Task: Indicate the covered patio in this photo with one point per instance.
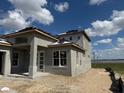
(28, 62)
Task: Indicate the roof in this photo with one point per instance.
(74, 32)
(64, 44)
(29, 30)
(4, 43)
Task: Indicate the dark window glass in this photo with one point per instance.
(41, 66)
(70, 38)
(15, 59)
(56, 54)
(56, 62)
(63, 62)
(21, 40)
(62, 54)
(78, 37)
(41, 54)
(59, 58)
(41, 62)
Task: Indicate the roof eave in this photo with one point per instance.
(68, 44)
(46, 35)
(83, 32)
(5, 44)
(27, 32)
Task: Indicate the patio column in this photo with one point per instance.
(7, 63)
(33, 59)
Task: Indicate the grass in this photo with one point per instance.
(117, 67)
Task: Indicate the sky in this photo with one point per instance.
(103, 20)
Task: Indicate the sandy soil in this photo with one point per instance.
(94, 81)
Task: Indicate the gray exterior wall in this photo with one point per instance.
(43, 40)
(82, 42)
(54, 69)
(23, 61)
(77, 60)
(87, 47)
(74, 38)
(26, 36)
(80, 63)
(24, 54)
(6, 64)
(78, 67)
(37, 40)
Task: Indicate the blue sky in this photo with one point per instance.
(103, 20)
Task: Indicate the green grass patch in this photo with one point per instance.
(117, 67)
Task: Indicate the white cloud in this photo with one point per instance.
(120, 42)
(32, 10)
(96, 2)
(14, 21)
(62, 7)
(104, 41)
(113, 53)
(107, 27)
(116, 52)
(95, 44)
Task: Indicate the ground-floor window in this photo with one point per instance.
(15, 59)
(59, 58)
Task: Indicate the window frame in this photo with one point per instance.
(60, 62)
(16, 59)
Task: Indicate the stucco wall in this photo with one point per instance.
(87, 46)
(73, 67)
(43, 40)
(24, 55)
(75, 39)
(80, 62)
(27, 36)
(57, 70)
(37, 40)
(75, 64)
(6, 64)
(23, 61)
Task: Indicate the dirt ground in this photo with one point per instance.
(94, 81)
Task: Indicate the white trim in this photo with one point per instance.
(38, 63)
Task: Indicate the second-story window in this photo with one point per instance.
(70, 38)
(21, 40)
(78, 37)
(15, 61)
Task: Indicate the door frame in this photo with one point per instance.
(2, 62)
(38, 63)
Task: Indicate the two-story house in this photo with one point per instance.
(32, 50)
